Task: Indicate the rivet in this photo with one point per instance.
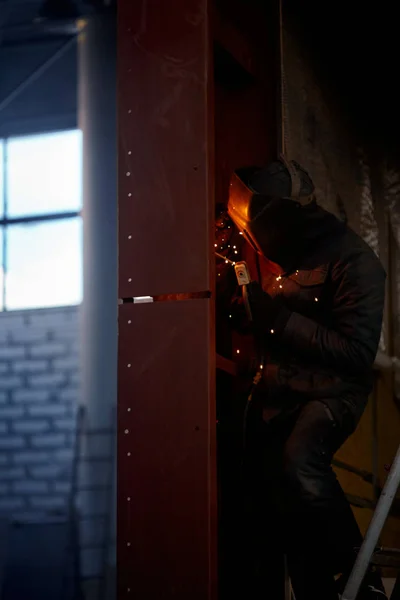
(129, 152)
(126, 431)
(129, 237)
(129, 111)
(129, 322)
(129, 589)
(281, 286)
(129, 498)
(230, 316)
(129, 365)
(129, 409)
(316, 299)
(128, 454)
(128, 544)
(272, 331)
(279, 278)
(130, 195)
(128, 174)
(237, 351)
(130, 280)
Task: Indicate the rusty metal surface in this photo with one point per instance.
(166, 451)
(165, 157)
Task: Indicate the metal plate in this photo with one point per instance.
(166, 451)
(166, 194)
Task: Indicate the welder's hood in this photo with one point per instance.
(269, 205)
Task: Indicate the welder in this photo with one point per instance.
(316, 299)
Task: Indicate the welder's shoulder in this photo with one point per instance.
(355, 255)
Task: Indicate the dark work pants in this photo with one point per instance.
(295, 506)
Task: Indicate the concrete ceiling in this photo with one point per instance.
(24, 21)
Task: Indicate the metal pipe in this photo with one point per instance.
(375, 443)
(371, 539)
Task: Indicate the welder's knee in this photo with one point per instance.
(306, 473)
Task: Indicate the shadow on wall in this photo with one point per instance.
(47, 538)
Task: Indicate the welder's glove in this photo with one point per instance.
(269, 315)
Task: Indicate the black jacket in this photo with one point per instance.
(326, 334)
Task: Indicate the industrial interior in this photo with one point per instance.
(121, 409)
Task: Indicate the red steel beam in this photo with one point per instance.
(166, 538)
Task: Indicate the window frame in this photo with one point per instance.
(6, 222)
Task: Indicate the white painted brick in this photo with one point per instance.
(30, 487)
(48, 502)
(11, 382)
(69, 363)
(11, 320)
(69, 394)
(4, 489)
(4, 427)
(31, 426)
(4, 368)
(48, 440)
(12, 473)
(65, 424)
(31, 457)
(51, 318)
(14, 442)
(30, 366)
(49, 471)
(69, 335)
(49, 380)
(9, 504)
(29, 396)
(76, 348)
(27, 335)
(12, 352)
(64, 454)
(62, 487)
(47, 350)
(4, 459)
(47, 410)
(11, 412)
(75, 379)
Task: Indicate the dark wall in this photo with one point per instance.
(50, 101)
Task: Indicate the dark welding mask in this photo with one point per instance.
(268, 211)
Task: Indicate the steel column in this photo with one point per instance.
(166, 375)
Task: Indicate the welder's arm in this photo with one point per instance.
(357, 309)
(311, 381)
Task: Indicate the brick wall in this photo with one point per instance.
(39, 392)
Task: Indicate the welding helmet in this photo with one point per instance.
(268, 207)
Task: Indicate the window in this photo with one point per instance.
(40, 222)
